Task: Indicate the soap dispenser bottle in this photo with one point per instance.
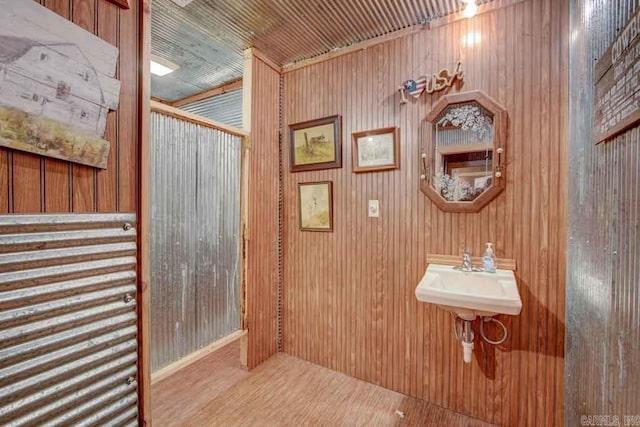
(489, 259)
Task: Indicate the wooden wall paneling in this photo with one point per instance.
(480, 401)
(57, 172)
(385, 335)
(126, 153)
(492, 409)
(507, 92)
(448, 55)
(542, 269)
(561, 200)
(262, 269)
(26, 182)
(107, 180)
(84, 177)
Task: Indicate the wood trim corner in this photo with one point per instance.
(244, 350)
(208, 93)
(247, 86)
(244, 233)
(144, 214)
(264, 58)
(194, 118)
(161, 101)
(247, 99)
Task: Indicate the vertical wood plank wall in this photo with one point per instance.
(349, 299)
(262, 281)
(33, 184)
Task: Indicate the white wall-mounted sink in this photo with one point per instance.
(470, 294)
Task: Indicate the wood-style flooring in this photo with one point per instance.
(284, 391)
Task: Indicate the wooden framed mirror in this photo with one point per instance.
(463, 160)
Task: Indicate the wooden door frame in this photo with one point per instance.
(144, 212)
(146, 105)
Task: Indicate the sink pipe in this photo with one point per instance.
(466, 335)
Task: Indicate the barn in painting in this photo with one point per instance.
(53, 80)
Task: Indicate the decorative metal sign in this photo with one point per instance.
(436, 82)
(617, 74)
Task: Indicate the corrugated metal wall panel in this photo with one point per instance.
(225, 108)
(68, 322)
(195, 244)
(603, 252)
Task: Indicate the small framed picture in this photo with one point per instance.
(315, 206)
(316, 144)
(376, 150)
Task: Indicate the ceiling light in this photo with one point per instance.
(162, 67)
(471, 9)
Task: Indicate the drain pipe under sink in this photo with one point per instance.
(466, 335)
(467, 341)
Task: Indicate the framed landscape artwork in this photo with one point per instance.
(57, 86)
(316, 144)
(376, 150)
(315, 206)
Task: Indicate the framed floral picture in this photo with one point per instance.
(316, 144)
(315, 206)
(376, 150)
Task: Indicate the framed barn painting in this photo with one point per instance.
(57, 85)
(376, 150)
(316, 144)
(315, 206)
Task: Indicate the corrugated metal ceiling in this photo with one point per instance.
(207, 37)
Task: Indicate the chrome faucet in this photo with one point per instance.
(467, 263)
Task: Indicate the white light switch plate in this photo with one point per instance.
(374, 209)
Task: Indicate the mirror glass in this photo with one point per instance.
(463, 144)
